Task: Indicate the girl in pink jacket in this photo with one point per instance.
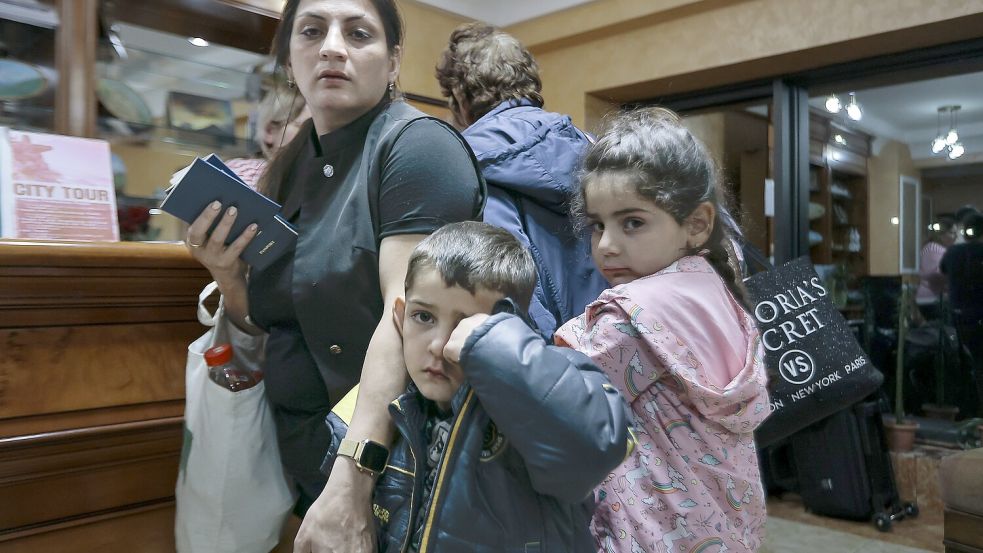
(674, 335)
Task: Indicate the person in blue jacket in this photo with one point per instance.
(529, 158)
(501, 438)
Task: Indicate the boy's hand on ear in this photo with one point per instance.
(454, 345)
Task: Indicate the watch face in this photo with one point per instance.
(374, 456)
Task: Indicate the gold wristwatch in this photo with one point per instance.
(370, 457)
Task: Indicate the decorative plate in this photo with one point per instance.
(20, 80)
(816, 210)
(123, 102)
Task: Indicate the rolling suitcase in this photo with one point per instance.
(844, 470)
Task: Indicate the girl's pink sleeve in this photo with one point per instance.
(616, 344)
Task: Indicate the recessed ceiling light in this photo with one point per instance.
(198, 41)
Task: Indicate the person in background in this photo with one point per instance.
(364, 180)
(931, 286)
(962, 214)
(529, 158)
(279, 118)
(963, 265)
(675, 336)
(520, 432)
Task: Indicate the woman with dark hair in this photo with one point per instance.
(529, 157)
(364, 181)
(941, 235)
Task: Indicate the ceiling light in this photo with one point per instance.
(948, 143)
(853, 108)
(838, 138)
(833, 104)
(895, 221)
(198, 41)
(956, 151)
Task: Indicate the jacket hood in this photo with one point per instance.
(693, 342)
(529, 151)
(715, 356)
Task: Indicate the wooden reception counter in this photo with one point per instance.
(93, 343)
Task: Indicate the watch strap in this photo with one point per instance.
(349, 448)
(356, 451)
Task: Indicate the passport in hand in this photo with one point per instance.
(207, 180)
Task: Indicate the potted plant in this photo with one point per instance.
(900, 431)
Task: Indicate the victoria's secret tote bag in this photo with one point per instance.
(815, 365)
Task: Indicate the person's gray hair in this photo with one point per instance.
(484, 66)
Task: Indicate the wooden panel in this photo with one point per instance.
(818, 127)
(93, 345)
(73, 283)
(853, 141)
(235, 24)
(75, 44)
(145, 529)
(53, 422)
(847, 161)
(57, 369)
(63, 475)
(962, 531)
(817, 152)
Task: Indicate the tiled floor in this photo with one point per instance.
(791, 528)
(786, 536)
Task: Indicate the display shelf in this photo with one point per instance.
(838, 187)
(27, 89)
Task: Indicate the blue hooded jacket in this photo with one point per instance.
(529, 158)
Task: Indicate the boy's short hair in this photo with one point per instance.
(475, 255)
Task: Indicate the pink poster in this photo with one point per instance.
(55, 187)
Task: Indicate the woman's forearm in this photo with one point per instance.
(383, 379)
(235, 295)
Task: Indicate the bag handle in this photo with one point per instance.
(204, 316)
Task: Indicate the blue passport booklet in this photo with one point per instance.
(207, 180)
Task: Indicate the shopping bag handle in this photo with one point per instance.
(204, 316)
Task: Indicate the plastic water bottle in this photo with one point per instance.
(224, 372)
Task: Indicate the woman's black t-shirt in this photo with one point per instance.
(321, 306)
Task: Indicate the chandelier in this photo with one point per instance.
(947, 144)
(853, 111)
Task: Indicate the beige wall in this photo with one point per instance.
(883, 202)
(633, 49)
(710, 129)
(149, 168)
(949, 194)
(426, 33)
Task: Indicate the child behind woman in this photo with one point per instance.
(674, 336)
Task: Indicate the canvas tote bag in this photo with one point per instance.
(231, 493)
(815, 365)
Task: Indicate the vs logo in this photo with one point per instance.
(796, 366)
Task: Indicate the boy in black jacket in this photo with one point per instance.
(501, 438)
